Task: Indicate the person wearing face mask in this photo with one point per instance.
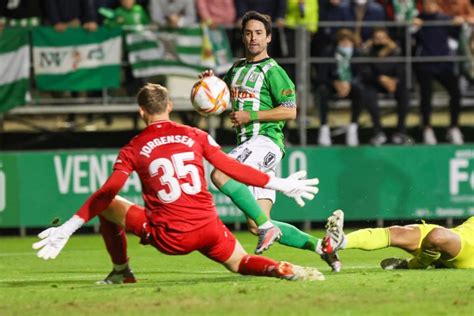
(363, 11)
(388, 78)
(343, 80)
(433, 41)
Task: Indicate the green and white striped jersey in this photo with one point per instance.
(260, 86)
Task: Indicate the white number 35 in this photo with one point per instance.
(173, 170)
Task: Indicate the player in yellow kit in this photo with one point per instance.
(430, 245)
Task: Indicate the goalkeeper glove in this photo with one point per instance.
(54, 239)
(295, 186)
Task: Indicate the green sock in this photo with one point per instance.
(293, 237)
(245, 201)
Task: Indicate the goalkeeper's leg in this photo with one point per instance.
(112, 229)
(242, 263)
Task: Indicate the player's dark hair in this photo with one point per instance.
(254, 15)
(153, 98)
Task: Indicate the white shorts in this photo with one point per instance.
(263, 154)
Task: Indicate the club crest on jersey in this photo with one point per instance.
(244, 155)
(253, 77)
(269, 159)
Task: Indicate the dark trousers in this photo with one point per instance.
(450, 81)
(401, 97)
(325, 92)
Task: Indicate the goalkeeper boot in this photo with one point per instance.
(118, 277)
(332, 259)
(394, 263)
(335, 238)
(292, 272)
(266, 237)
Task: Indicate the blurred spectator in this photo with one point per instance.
(217, 12)
(365, 11)
(401, 10)
(305, 13)
(299, 13)
(71, 13)
(458, 8)
(276, 9)
(388, 78)
(345, 80)
(329, 11)
(128, 14)
(220, 12)
(433, 41)
(132, 16)
(25, 13)
(111, 5)
(173, 13)
(62, 14)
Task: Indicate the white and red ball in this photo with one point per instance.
(210, 96)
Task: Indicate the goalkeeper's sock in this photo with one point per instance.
(293, 237)
(423, 259)
(245, 201)
(258, 265)
(115, 241)
(368, 239)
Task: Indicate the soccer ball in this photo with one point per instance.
(210, 96)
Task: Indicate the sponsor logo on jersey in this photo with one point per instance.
(269, 159)
(244, 155)
(235, 93)
(287, 92)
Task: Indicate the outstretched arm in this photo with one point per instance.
(294, 186)
(54, 239)
(102, 198)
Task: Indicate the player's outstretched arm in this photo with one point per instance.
(54, 239)
(294, 186)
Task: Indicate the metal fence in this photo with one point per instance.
(302, 62)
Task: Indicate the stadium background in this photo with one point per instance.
(72, 129)
(57, 147)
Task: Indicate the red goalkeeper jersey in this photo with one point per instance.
(168, 158)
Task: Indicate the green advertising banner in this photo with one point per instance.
(417, 182)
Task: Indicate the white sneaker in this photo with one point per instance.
(429, 137)
(292, 272)
(324, 137)
(352, 138)
(335, 238)
(454, 136)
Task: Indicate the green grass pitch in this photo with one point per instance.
(194, 285)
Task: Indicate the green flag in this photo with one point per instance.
(14, 67)
(183, 51)
(77, 60)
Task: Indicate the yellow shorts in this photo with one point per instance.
(465, 231)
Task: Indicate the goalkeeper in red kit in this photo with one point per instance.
(179, 214)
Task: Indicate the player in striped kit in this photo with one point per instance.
(263, 98)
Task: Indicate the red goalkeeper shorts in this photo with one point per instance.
(214, 240)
